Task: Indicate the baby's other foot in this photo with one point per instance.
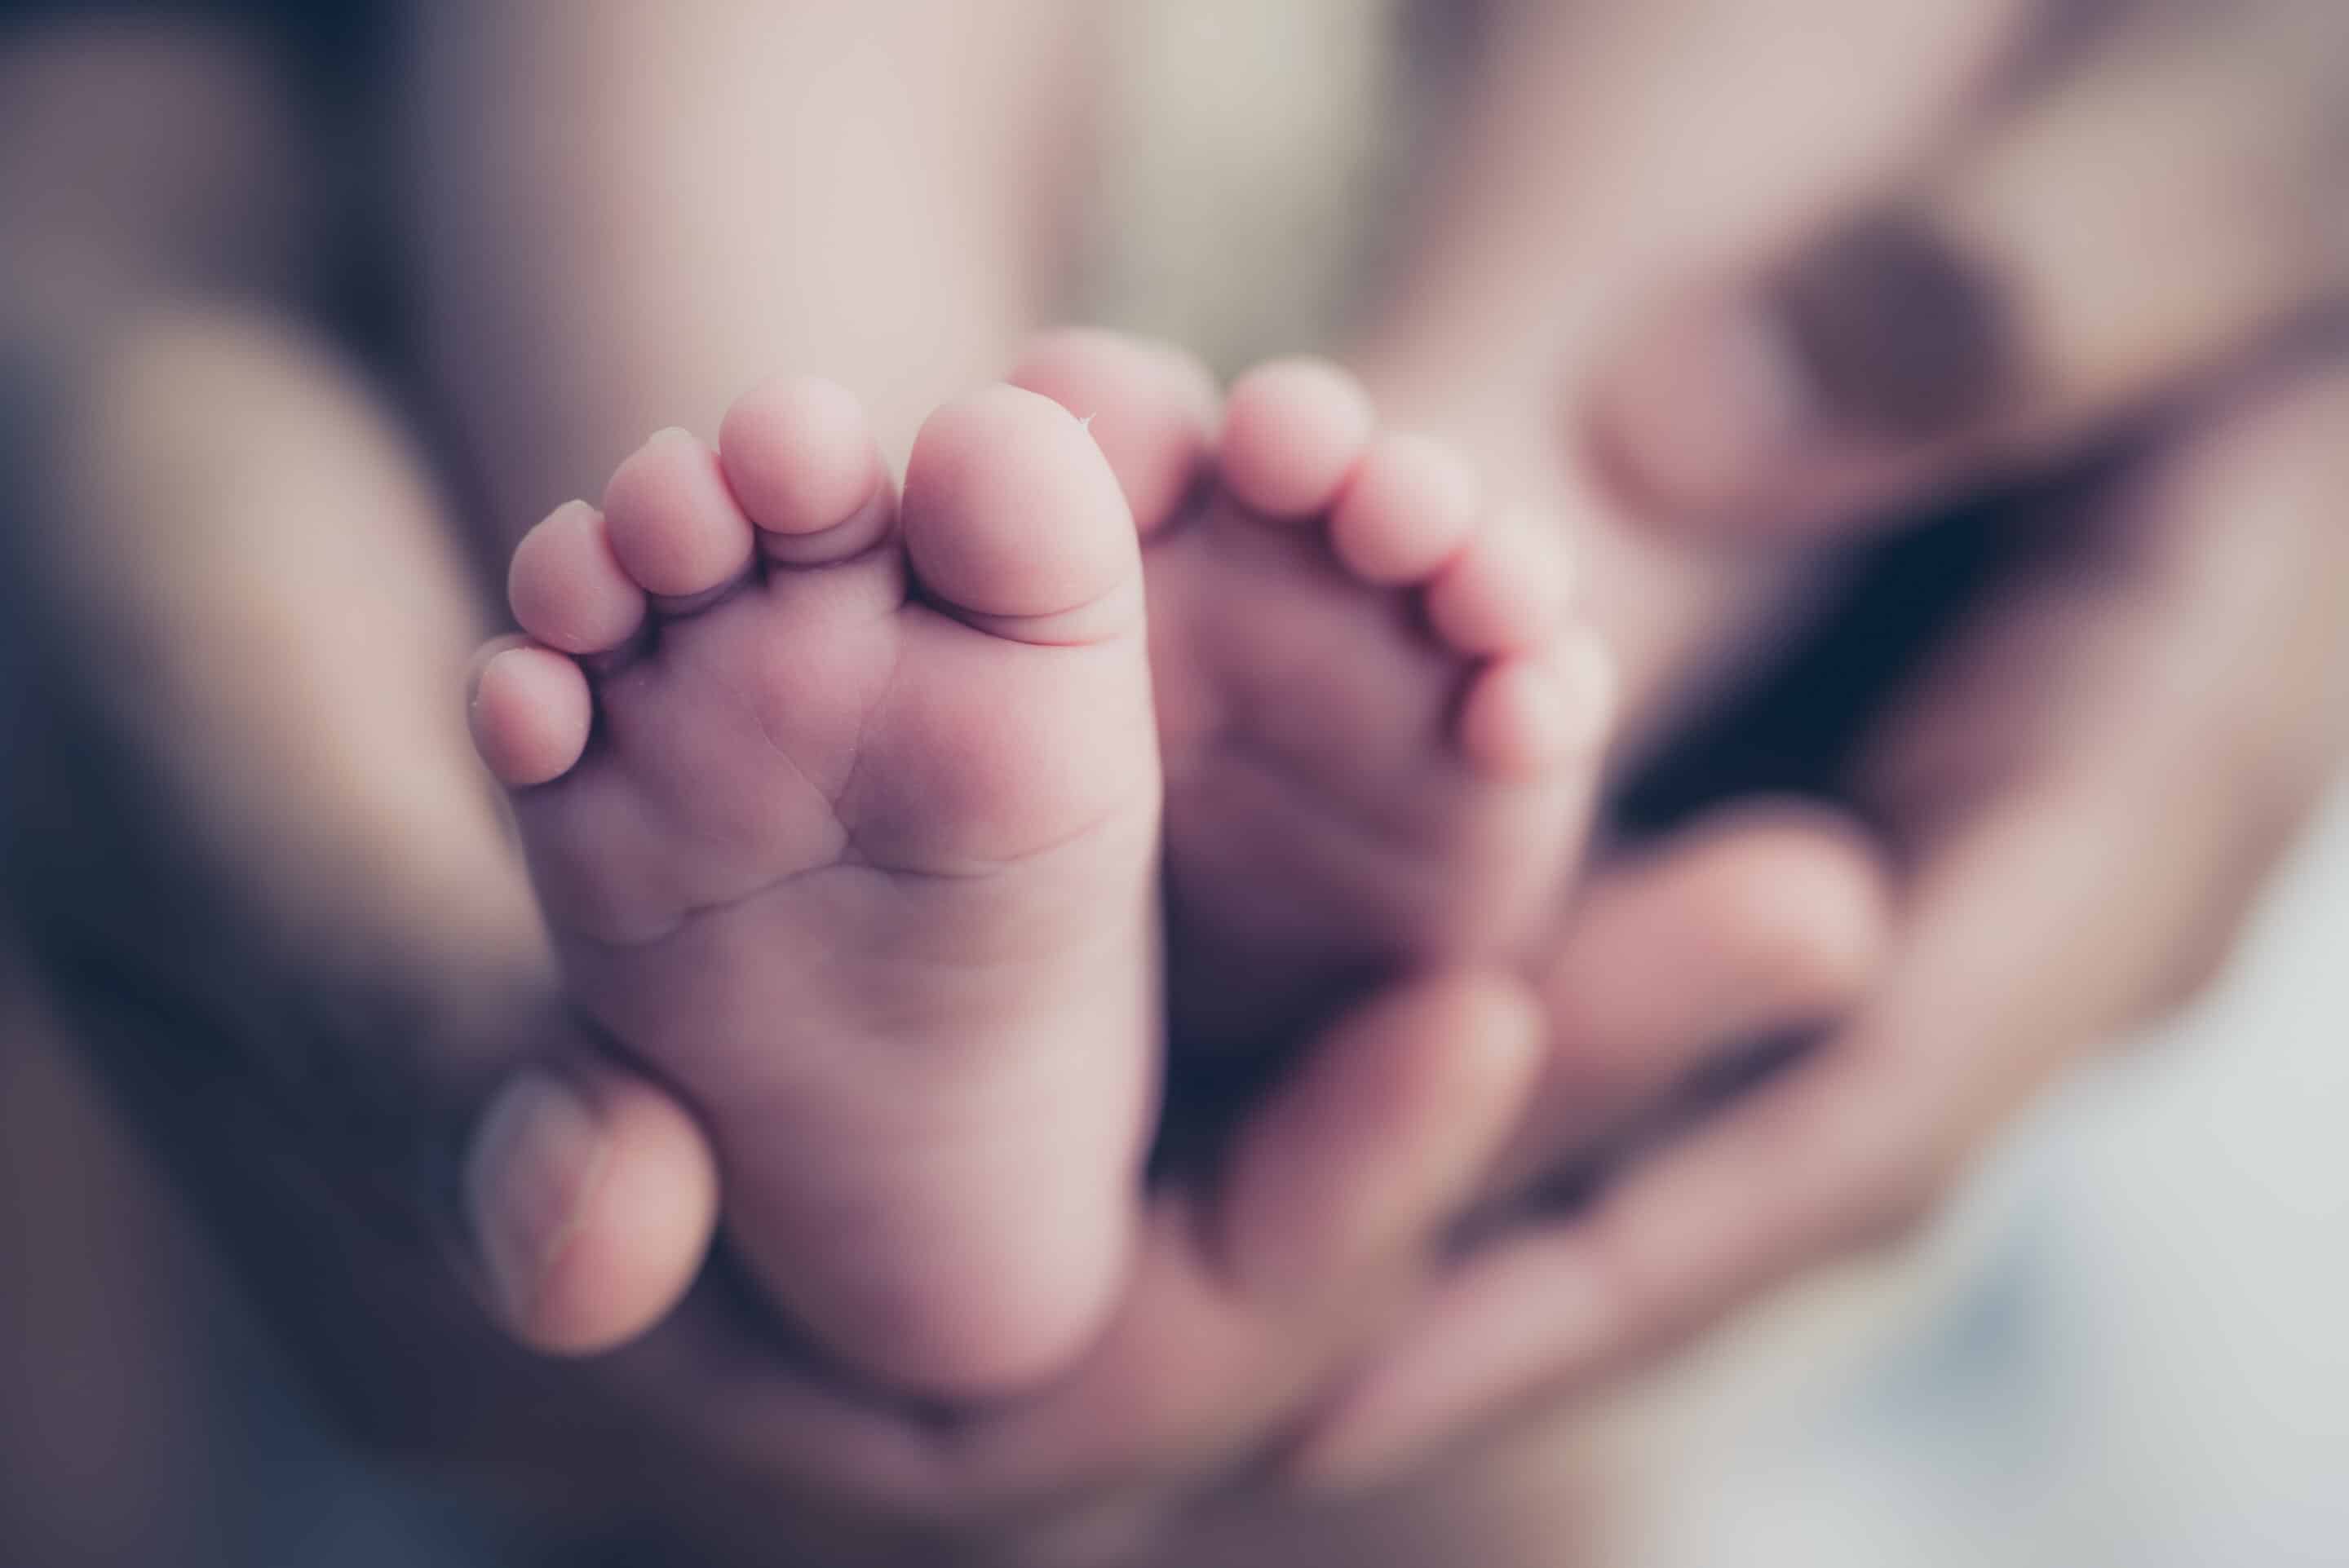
(844, 811)
(1377, 719)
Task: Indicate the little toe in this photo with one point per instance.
(1410, 508)
(1293, 431)
(675, 526)
(1525, 716)
(566, 587)
(1151, 409)
(1507, 591)
(1014, 522)
(530, 712)
(802, 460)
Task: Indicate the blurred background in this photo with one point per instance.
(2128, 1345)
(2122, 1349)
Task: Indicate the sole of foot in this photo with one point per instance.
(1378, 718)
(845, 808)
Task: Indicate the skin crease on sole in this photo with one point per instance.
(844, 810)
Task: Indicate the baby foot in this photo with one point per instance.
(1375, 715)
(844, 811)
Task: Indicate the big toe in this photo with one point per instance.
(1014, 521)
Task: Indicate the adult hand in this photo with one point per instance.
(357, 1091)
(1261, 1280)
(2121, 248)
(1264, 1281)
(2085, 791)
(2086, 213)
(1254, 1283)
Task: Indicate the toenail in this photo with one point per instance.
(540, 1150)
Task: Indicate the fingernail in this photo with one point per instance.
(1886, 333)
(1702, 410)
(536, 1159)
(1902, 333)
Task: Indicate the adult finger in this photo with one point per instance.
(1333, 1200)
(1384, 1135)
(591, 1195)
(2082, 252)
(588, 1193)
(1758, 923)
(2092, 785)
(262, 864)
